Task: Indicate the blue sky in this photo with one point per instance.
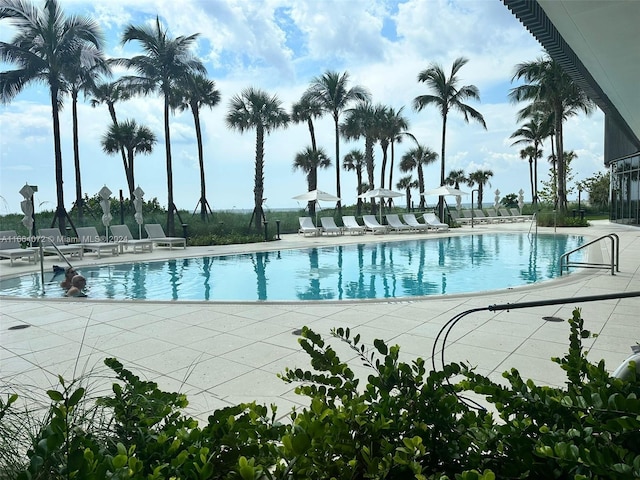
(279, 46)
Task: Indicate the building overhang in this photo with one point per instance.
(598, 44)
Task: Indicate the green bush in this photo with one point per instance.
(402, 422)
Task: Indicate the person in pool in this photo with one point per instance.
(69, 273)
(78, 282)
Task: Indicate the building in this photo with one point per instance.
(597, 42)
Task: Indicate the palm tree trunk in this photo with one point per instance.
(203, 191)
(167, 144)
(258, 189)
(442, 164)
(128, 170)
(76, 155)
(368, 155)
(533, 193)
(384, 166)
(562, 187)
(60, 211)
(339, 203)
(421, 187)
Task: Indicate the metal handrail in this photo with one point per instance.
(614, 264)
(534, 221)
(41, 253)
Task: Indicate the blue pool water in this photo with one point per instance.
(438, 266)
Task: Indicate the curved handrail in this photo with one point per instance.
(615, 255)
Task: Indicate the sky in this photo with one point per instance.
(279, 46)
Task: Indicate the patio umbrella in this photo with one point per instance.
(447, 190)
(137, 204)
(496, 200)
(27, 206)
(381, 193)
(316, 196)
(105, 203)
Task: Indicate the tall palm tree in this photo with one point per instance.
(306, 110)
(80, 74)
(398, 129)
(331, 91)
(198, 91)
(167, 62)
(45, 41)
(446, 96)
(406, 184)
(415, 159)
(361, 121)
(257, 109)
(130, 137)
(354, 161)
(109, 93)
(309, 161)
(546, 83)
(455, 178)
(533, 134)
(480, 178)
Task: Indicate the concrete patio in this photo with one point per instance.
(225, 353)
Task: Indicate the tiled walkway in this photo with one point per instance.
(225, 353)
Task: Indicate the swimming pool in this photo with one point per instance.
(388, 270)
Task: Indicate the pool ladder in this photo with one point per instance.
(614, 263)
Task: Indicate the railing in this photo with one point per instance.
(614, 263)
(41, 253)
(534, 221)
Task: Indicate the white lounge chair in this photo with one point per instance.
(352, 226)
(507, 216)
(122, 236)
(516, 213)
(459, 219)
(396, 225)
(91, 242)
(372, 224)
(329, 226)
(493, 216)
(10, 248)
(434, 222)
(307, 227)
(411, 220)
(155, 232)
(54, 242)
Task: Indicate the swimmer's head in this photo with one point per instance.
(79, 282)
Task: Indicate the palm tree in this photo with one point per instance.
(198, 91)
(362, 121)
(256, 109)
(398, 125)
(354, 161)
(130, 137)
(80, 75)
(446, 96)
(46, 40)
(455, 178)
(305, 110)
(533, 133)
(547, 84)
(415, 159)
(168, 62)
(309, 161)
(406, 184)
(480, 178)
(109, 93)
(331, 92)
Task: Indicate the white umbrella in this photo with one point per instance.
(447, 190)
(316, 196)
(381, 193)
(496, 200)
(105, 203)
(137, 204)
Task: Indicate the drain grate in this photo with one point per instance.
(19, 327)
(553, 319)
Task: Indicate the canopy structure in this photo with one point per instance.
(316, 196)
(447, 190)
(381, 193)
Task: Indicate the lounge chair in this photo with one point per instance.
(411, 220)
(478, 214)
(516, 213)
(396, 225)
(373, 225)
(122, 236)
(329, 226)
(307, 227)
(155, 232)
(91, 242)
(54, 242)
(352, 226)
(10, 248)
(459, 219)
(493, 216)
(434, 222)
(507, 216)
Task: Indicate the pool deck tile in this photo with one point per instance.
(221, 354)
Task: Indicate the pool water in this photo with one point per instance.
(391, 270)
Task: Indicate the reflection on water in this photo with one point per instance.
(384, 270)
